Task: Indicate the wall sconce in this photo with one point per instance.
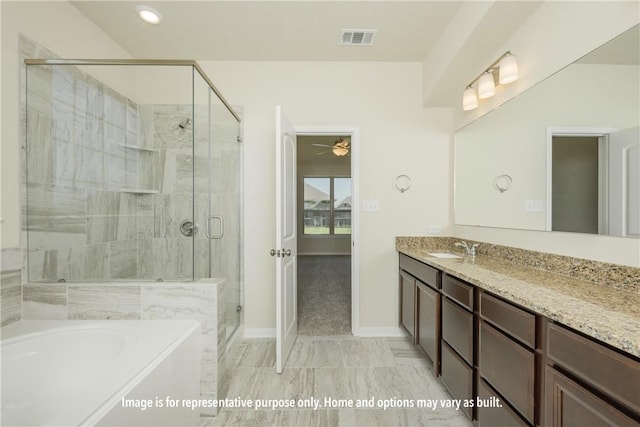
(507, 68)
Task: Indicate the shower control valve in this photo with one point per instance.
(188, 228)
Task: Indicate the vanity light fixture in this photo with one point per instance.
(149, 15)
(469, 99)
(507, 69)
(486, 85)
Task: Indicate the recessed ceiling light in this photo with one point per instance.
(149, 15)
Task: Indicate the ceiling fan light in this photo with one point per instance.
(340, 151)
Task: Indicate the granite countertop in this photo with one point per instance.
(603, 312)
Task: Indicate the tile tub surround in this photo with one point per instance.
(202, 301)
(602, 311)
(11, 285)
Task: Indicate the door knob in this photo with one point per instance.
(286, 252)
(274, 253)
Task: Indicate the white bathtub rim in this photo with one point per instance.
(116, 398)
(115, 387)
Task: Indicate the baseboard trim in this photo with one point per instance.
(259, 332)
(324, 253)
(392, 332)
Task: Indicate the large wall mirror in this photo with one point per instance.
(563, 155)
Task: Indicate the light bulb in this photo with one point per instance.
(486, 86)
(149, 15)
(469, 99)
(508, 69)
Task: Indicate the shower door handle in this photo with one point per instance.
(221, 233)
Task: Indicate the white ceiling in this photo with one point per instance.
(274, 30)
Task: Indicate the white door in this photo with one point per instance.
(624, 182)
(286, 240)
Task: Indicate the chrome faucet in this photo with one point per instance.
(470, 250)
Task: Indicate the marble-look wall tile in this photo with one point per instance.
(40, 161)
(11, 285)
(55, 200)
(167, 259)
(101, 301)
(169, 212)
(88, 262)
(45, 301)
(198, 301)
(123, 259)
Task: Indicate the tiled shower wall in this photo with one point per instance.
(11, 285)
(109, 182)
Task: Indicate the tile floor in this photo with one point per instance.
(344, 367)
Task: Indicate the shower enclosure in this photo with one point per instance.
(133, 173)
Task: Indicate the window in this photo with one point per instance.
(327, 206)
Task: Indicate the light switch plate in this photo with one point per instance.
(370, 205)
(533, 206)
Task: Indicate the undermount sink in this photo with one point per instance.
(443, 255)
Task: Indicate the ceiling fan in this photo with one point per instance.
(340, 147)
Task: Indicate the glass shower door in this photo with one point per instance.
(217, 201)
(225, 217)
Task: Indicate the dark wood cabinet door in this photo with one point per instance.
(457, 329)
(457, 376)
(500, 415)
(509, 367)
(428, 333)
(570, 405)
(407, 303)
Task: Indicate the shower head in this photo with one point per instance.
(184, 124)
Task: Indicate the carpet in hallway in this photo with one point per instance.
(324, 295)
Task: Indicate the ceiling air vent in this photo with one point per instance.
(357, 37)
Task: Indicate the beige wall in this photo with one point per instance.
(61, 28)
(397, 136)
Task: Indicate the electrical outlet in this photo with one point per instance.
(434, 229)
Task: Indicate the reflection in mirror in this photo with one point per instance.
(570, 145)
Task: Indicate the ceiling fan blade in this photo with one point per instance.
(323, 152)
(322, 145)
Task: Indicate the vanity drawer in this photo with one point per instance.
(509, 368)
(502, 416)
(457, 329)
(419, 270)
(457, 376)
(518, 323)
(614, 374)
(458, 290)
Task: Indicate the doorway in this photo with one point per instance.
(325, 218)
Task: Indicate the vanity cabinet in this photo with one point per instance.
(407, 303)
(485, 347)
(458, 334)
(587, 382)
(420, 310)
(507, 359)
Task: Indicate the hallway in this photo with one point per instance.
(324, 295)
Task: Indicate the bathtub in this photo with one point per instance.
(96, 373)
